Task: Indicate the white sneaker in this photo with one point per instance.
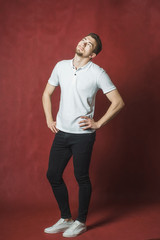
(60, 226)
(75, 229)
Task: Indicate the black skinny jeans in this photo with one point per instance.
(64, 146)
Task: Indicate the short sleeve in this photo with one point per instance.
(54, 78)
(104, 82)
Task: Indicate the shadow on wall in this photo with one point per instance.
(154, 239)
(130, 169)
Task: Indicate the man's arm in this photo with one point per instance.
(116, 105)
(47, 106)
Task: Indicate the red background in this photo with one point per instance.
(34, 36)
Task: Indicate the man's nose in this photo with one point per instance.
(84, 43)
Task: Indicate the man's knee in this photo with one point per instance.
(82, 179)
(49, 175)
(53, 178)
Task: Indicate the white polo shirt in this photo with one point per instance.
(78, 93)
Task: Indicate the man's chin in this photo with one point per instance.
(79, 54)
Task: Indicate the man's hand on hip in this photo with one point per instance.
(52, 126)
(88, 123)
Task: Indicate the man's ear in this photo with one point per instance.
(92, 55)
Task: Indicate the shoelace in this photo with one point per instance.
(60, 221)
(74, 225)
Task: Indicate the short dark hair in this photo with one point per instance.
(98, 47)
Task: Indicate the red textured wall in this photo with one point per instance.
(34, 36)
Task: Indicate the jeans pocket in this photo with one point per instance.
(58, 131)
(85, 143)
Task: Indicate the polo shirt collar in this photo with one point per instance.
(84, 67)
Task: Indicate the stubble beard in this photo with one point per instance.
(80, 54)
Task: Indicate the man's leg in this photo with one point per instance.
(60, 154)
(82, 151)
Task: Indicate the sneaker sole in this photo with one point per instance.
(75, 234)
(56, 231)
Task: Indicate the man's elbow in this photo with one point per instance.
(45, 95)
(121, 104)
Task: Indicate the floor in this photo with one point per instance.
(136, 221)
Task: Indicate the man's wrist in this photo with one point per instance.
(98, 125)
(48, 120)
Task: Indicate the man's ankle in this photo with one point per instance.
(68, 219)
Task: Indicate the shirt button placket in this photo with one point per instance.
(74, 76)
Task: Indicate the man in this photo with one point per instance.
(75, 128)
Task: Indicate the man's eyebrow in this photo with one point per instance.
(89, 42)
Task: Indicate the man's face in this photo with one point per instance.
(86, 47)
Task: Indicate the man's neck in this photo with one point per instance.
(79, 61)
